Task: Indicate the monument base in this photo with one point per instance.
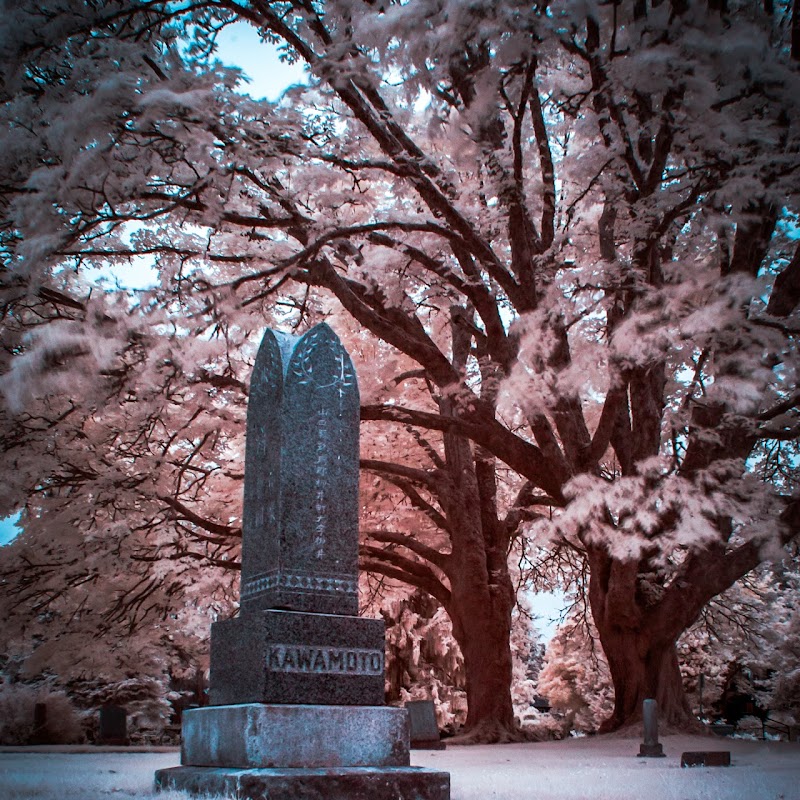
(256, 735)
(651, 751)
(342, 783)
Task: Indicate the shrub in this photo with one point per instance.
(16, 713)
(63, 723)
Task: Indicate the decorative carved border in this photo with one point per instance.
(299, 582)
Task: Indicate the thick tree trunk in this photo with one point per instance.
(482, 627)
(643, 666)
(472, 583)
(481, 591)
(638, 642)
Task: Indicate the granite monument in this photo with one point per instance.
(297, 679)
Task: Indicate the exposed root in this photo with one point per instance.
(490, 733)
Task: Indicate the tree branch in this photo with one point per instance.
(372, 560)
(438, 559)
(420, 476)
(521, 456)
(187, 514)
(546, 168)
(785, 296)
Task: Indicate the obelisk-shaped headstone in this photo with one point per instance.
(300, 522)
(296, 702)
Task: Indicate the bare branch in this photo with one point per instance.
(440, 560)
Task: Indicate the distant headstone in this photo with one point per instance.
(39, 735)
(541, 704)
(297, 679)
(424, 730)
(113, 729)
(650, 748)
(708, 758)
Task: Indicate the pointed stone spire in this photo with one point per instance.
(300, 522)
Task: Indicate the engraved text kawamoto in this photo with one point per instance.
(328, 660)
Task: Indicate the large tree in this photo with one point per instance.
(457, 524)
(576, 222)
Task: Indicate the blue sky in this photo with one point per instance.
(546, 608)
(8, 529)
(240, 46)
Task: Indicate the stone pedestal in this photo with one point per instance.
(294, 752)
(651, 751)
(650, 748)
(257, 735)
(341, 783)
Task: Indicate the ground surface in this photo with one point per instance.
(592, 768)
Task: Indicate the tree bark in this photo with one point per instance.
(643, 664)
(638, 642)
(472, 581)
(481, 592)
(481, 616)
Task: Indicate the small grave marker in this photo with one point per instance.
(39, 735)
(424, 730)
(723, 729)
(707, 758)
(113, 726)
(650, 748)
(541, 704)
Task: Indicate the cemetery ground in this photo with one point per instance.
(588, 768)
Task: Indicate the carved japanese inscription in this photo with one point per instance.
(300, 522)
